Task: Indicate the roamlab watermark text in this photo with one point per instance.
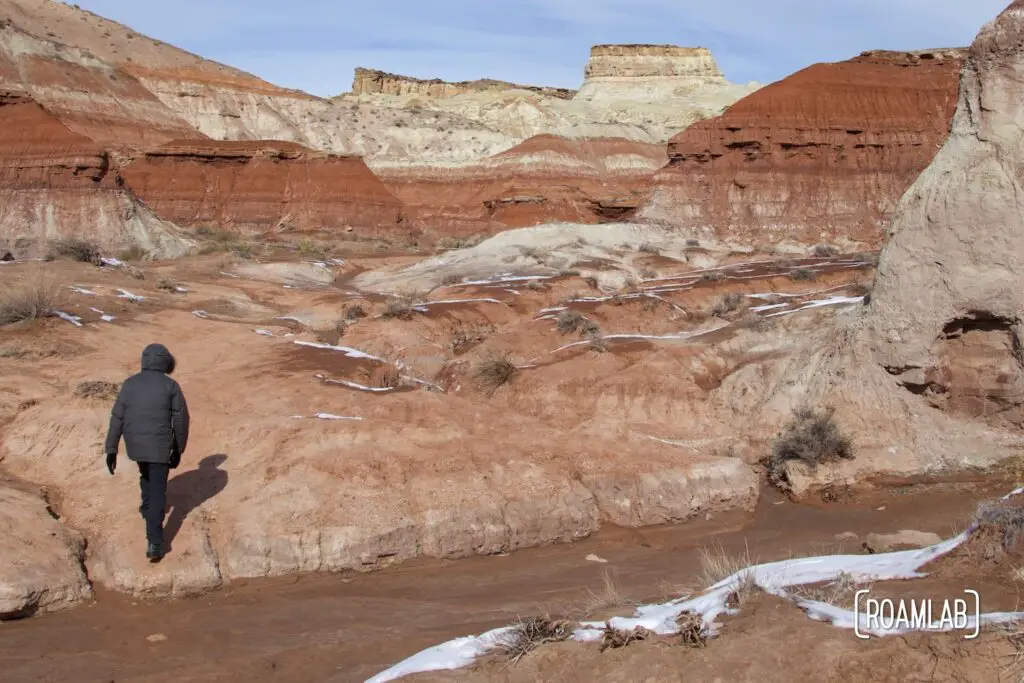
(874, 615)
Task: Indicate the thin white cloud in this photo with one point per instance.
(315, 44)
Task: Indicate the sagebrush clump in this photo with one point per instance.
(36, 297)
(495, 372)
(80, 250)
(812, 437)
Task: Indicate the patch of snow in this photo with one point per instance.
(595, 558)
(292, 318)
(73, 319)
(81, 290)
(179, 288)
(503, 279)
(228, 275)
(758, 309)
(103, 316)
(773, 577)
(265, 333)
(512, 291)
(553, 309)
(125, 294)
(460, 301)
(834, 301)
(116, 263)
(354, 385)
(328, 416)
(201, 314)
(335, 261)
(455, 654)
(351, 353)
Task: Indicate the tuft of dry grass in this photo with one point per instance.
(529, 634)
(97, 389)
(614, 638)
(495, 372)
(648, 248)
(712, 276)
(1007, 518)
(465, 337)
(692, 630)
(717, 564)
(812, 437)
(451, 279)
(825, 250)
(802, 275)
(839, 592)
(692, 242)
(608, 596)
(36, 297)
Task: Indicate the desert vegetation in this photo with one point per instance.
(38, 296)
(812, 437)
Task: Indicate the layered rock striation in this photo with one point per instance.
(263, 186)
(56, 183)
(822, 155)
(542, 180)
(374, 82)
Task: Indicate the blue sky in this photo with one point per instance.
(314, 45)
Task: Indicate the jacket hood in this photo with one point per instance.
(157, 357)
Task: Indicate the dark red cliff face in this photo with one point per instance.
(261, 186)
(823, 154)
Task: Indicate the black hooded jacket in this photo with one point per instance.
(150, 412)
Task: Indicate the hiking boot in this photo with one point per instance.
(154, 552)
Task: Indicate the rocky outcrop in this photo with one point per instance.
(542, 180)
(659, 75)
(374, 82)
(931, 375)
(264, 186)
(822, 155)
(40, 559)
(56, 184)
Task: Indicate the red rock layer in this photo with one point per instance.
(56, 183)
(544, 179)
(823, 154)
(262, 186)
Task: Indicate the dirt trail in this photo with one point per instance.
(348, 627)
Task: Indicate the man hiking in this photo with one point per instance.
(151, 413)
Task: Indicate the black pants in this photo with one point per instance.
(153, 484)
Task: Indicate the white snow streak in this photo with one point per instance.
(125, 294)
(351, 353)
(773, 577)
(73, 319)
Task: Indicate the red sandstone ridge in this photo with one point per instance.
(57, 183)
(822, 155)
(542, 180)
(263, 186)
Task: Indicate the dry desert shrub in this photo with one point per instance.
(167, 284)
(529, 634)
(647, 248)
(728, 303)
(712, 276)
(464, 337)
(692, 630)
(97, 389)
(802, 275)
(812, 437)
(36, 297)
(459, 242)
(133, 253)
(692, 242)
(400, 308)
(825, 250)
(354, 313)
(80, 250)
(838, 592)
(614, 638)
(451, 279)
(494, 372)
(569, 321)
(1007, 518)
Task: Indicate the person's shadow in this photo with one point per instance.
(189, 490)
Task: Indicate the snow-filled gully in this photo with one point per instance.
(772, 577)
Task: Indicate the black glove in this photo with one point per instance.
(175, 457)
(111, 462)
